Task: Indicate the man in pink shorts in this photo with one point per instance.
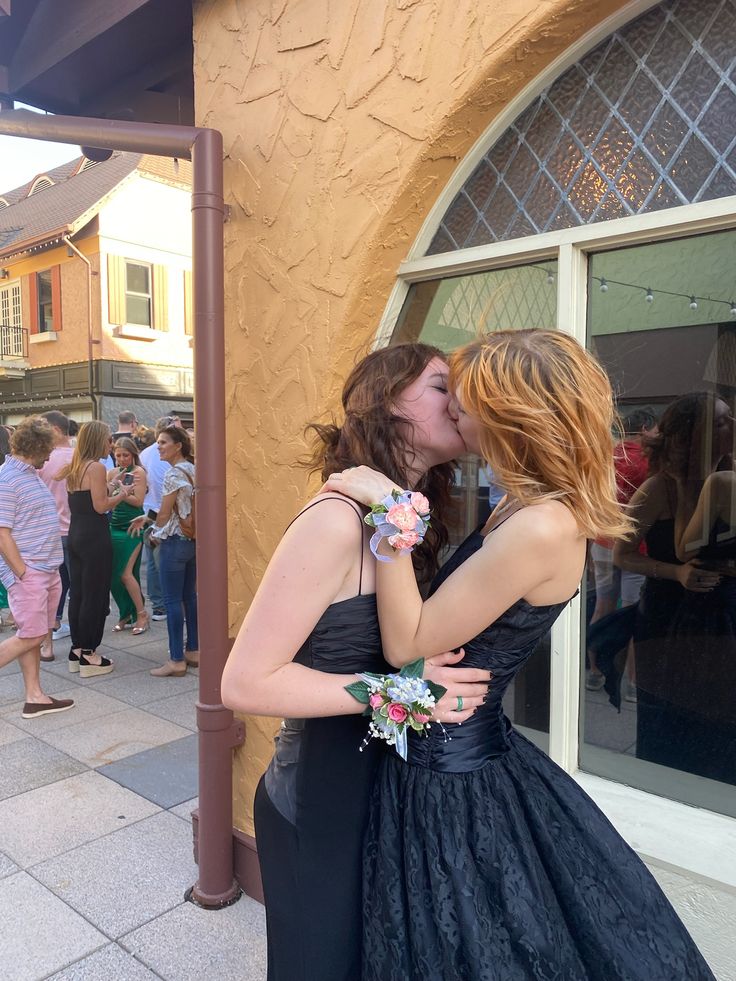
(30, 556)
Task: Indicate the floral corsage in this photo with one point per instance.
(402, 518)
(397, 703)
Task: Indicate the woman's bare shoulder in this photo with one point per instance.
(328, 509)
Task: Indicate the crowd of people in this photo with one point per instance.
(80, 507)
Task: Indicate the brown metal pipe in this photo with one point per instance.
(113, 134)
(218, 733)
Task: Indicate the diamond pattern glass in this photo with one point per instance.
(647, 120)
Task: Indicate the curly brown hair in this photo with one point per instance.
(32, 438)
(374, 434)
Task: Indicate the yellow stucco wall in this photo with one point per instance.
(342, 122)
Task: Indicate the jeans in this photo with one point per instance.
(64, 573)
(153, 579)
(178, 569)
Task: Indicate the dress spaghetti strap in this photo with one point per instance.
(354, 508)
(89, 464)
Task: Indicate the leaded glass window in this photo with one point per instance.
(647, 120)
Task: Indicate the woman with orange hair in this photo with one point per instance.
(483, 861)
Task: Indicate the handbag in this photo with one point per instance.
(188, 525)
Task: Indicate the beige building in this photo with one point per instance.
(418, 168)
(95, 290)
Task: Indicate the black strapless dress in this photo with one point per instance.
(685, 648)
(311, 811)
(486, 862)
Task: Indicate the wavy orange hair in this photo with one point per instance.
(546, 416)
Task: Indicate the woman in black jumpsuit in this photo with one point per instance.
(90, 547)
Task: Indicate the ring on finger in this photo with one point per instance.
(459, 703)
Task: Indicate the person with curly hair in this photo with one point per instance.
(30, 556)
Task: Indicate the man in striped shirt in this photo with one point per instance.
(30, 556)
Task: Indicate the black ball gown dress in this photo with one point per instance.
(486, 862)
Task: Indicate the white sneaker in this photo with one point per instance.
(63, 631)
(158, 615)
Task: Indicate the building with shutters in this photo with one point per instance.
(95, 290)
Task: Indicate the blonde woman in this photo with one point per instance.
(482, 859)
(90, 546)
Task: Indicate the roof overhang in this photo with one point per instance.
(121, 59)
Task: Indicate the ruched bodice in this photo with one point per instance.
(502, 648)
(346, 639)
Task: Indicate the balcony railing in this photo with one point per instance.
(13, 343)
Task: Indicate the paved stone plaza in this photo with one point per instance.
(96, 834)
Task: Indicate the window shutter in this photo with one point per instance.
(188, 312)
(116, 289)
(56, 296)
(160, 298)
(33, 322)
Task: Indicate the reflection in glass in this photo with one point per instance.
(661, 641)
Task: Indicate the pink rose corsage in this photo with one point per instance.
(396, 703)
(402, 518)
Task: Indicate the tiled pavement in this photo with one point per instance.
(96, 835)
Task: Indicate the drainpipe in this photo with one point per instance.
(218, 732)
(90, 368)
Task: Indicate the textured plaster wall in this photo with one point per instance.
(342, 122)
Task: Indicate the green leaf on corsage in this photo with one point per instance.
(413, 670)
(437, 690)
(359, 690)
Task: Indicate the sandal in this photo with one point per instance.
(122, 625)
(141, 628)
(88, 669)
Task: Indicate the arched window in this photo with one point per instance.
(40, 184)
(643, 122)
(608, 209)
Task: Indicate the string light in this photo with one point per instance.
(604, 285)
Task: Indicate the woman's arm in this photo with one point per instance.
(101, 500)
(649, 504)
(313, 566)
(138, 490)
(521, 556)
(716, 500)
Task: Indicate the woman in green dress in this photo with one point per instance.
(126, 551)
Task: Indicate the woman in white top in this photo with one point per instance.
(178, 562)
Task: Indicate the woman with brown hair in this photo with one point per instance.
(685, 632)
(172, 535)
(126, 551)
(312, 623)
(483, 861)
(90, 547)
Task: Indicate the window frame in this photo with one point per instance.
(133, 293)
